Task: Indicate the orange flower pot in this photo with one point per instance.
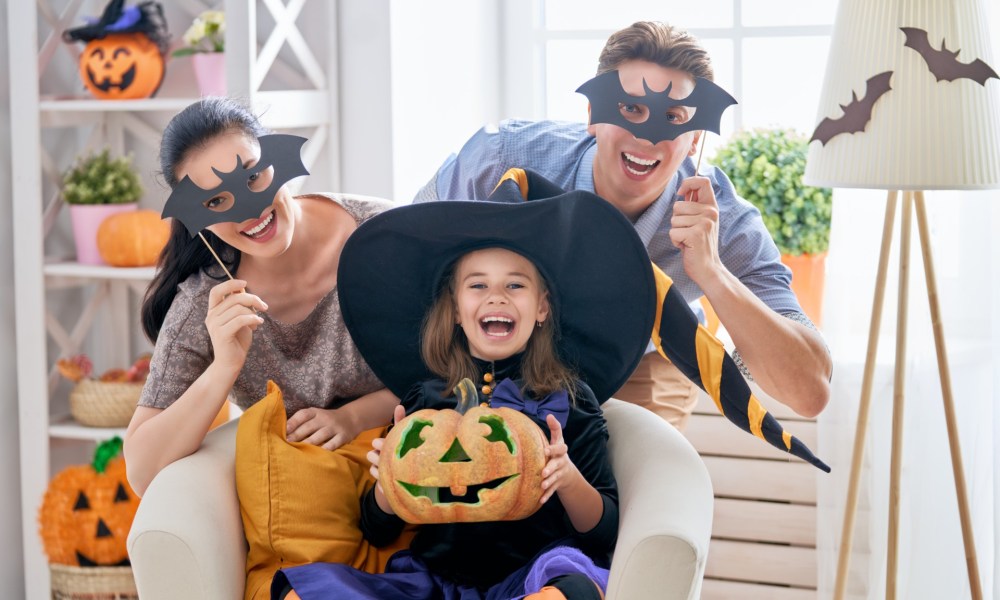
(808, 275)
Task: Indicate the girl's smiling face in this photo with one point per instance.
(499, 297)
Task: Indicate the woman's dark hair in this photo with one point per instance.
(192, 128)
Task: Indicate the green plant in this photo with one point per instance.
(766, 168)
(100, 179)
(207, 33)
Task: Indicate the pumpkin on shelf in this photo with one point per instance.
(124, 55)
(132, 239)
(470, 464)
(108, 401)
(87, 511)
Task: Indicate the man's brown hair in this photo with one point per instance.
(659, 43)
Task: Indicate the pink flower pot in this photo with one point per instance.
(210, 72)
(86, 218)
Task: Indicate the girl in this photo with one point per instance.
(555, 301)
(217, 337)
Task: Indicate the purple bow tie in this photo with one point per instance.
(556, 404)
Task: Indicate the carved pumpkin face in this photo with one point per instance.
(440, 466)
(85, 516)
(121, 66)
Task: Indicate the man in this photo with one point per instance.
(695, 228)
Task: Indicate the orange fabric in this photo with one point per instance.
(546, 593)
(299, 502)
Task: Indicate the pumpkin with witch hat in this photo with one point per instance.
(88, 510)
(124, 55)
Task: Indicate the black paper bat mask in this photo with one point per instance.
(943, 63)
(857, 113)
(188, 202)
(607, 97)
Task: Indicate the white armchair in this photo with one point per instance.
(187, 539)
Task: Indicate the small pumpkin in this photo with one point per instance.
(122, 66)
(464, 465)
(88, 510)
(132, 239)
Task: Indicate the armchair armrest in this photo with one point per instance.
(187, 538)
(666, 504)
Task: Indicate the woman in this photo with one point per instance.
(279, 318)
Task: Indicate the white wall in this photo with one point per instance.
(416, 80)
(11, 563)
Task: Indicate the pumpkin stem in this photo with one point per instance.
(106, 451)
(467, 394)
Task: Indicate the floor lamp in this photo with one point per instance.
(899, 113)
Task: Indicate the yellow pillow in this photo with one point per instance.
(299, 502)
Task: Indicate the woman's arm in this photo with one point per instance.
(332, 428)
(157, 437)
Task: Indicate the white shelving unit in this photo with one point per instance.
(269, 63)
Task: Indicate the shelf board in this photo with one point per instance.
(66, 428)
(78, 271)
(80, 104)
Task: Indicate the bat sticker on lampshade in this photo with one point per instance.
(608, 98)
(188, 203)
(857, 113)
(944, 63)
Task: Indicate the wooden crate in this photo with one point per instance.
(764, 533)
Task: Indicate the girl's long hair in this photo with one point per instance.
(445, 349)
(191, 129)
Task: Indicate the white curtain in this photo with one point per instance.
(965, 236)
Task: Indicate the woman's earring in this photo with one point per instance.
(538, 324)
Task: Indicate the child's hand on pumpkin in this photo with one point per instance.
(559, 470)
(373, 457)
(329, 428)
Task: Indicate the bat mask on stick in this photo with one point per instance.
(193, 206)
(608, 99)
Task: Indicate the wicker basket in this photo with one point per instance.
(92, 583)
(103, 403)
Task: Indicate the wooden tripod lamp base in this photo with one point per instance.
(910, 200)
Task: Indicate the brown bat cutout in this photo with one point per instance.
(943, 63)
(857, 113)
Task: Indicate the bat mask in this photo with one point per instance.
(187, 203)
(607, 97)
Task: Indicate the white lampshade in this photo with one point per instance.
(923, 134)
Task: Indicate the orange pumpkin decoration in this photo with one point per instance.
(122, 66)
(88, 510)
(463, 465)
(132, 239)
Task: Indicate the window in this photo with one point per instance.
(770, 54)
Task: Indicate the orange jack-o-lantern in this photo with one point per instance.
(87, 512)
(122, 66)
(463, 465)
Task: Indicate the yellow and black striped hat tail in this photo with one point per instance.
(703, 359)
(518, 185)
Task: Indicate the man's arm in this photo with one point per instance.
(788, 360)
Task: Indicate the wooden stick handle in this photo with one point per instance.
(217, 259)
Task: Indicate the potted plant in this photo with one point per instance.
(205, 43)
(96, 187)
(766, 168)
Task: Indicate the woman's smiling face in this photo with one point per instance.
(270, 233)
